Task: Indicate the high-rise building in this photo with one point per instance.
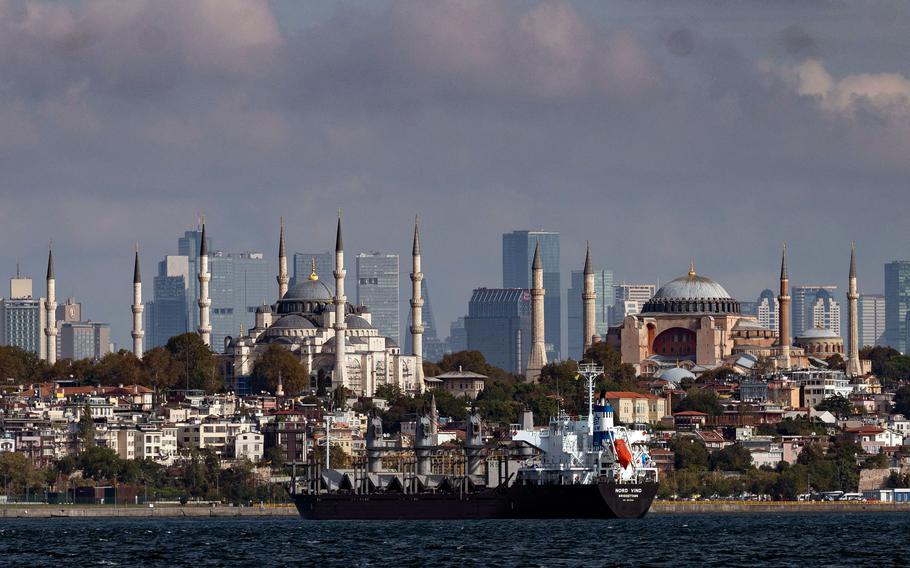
(433, 347)
(84, 340)
(499, 326)
(517, 255)
(303, 266)
(897, 303)
(871, 320)
(168, 313)
(603, 286)
(814, 307)
(377, 289)
(628, 300)
(458, 336)
(23, 318)
(188, 246)
(767, 309)
(241, 282)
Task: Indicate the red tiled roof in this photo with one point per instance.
(689, 413)
(865, 429)
(625, 394)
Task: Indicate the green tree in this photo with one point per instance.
(339, 458)
(277, 362)
(699, 400)
(20, 365)
(902, 400)
(689, 454)
(836, 362)
(837, 405)
(99, 463)
(615, 370)
(731, 458)
(86, 428)
(120, 368)
(19, 473)
(160, 368)
(195, 364)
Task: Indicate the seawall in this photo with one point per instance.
(740, 507)
(39, 511)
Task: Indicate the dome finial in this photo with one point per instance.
(691, 267)
(313, 275)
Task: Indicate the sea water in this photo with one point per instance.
(810, 539)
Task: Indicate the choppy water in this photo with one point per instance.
(865, 539)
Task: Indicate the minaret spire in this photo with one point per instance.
(50, 307)
(339, 378)
(417, 305)
(282, 263)
(137, 332)
(205, 328)
(854, 367)
(589, 301)
(783, 314)
(538, 356)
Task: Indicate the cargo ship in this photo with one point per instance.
(581, 468)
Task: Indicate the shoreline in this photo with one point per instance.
(746, 507)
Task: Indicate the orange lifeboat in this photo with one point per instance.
(623, 453)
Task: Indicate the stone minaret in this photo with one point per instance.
(417, 305)
(854, 368)
(588, 300)
(783, 319)
(205, 328)
(538, 356)
(137, 332)
(338, 380)
(50, 308)
(282, 264)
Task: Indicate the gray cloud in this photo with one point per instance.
(657, 132)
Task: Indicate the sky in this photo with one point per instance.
(657, 130)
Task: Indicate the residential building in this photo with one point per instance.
(377, 289)
(815, 307)
(637, 408)
(84, 340)
(517, 254)
(460, 383)
(603, 304)
(250, 446)
(629, 299)
(819, 385)
(499, 326)
(871, 320)
(767, 310)
(897, 303)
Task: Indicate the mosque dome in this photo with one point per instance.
(309, 290)
(675, 375)
(357, 322)
(692, 294)
(819, 333)
(293, 321)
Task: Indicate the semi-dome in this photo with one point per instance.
(293, 321)
(692, 294)
(357, 322)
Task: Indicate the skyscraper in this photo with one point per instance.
(23, 318)
(85, 340)
(603, 285)
(767, 309)
(629, 298)
(168, 313)
(499, 326)
(871, 320)
(241, 282)
(458, 336)
(897, 302)
(433, 347)
(815, 307)
(377, 289)
(517, 255)
(303, 266)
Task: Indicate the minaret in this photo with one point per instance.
(338, 380)
(588, 299)
(854, 368)
(137, 332)
(50, 307)
(205, 328)
(783, 314)
(417, 306)
(538, 356)
(282, 264)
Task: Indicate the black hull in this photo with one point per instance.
(597, 501)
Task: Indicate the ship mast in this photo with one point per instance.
(590, 371)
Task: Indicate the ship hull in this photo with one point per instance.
(595, 501)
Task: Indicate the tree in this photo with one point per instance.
(120, 368)
(615, 370)
(160, 368)
(277, 363)
(764, 366)
(19, 365)
(731, 458)
(19, 473)
(689, 454)
(87, 428)
(195, 365)
(837, 405)
(902, 400)
(699, 400)
(339, 459)
(339, 398)
(836, 362)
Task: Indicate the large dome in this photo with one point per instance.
(309, 290)
(692, 294)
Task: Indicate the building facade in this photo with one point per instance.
(897, 302)
(23, 318)
(603, 304)
(629, 299)
(872, 308)
(767, 309)
(517, 254)
(377, 287)
(166, 315)
(499, 326)
(241, 282)
(815, 307)
(84, 340)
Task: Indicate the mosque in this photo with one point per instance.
(333, 338)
